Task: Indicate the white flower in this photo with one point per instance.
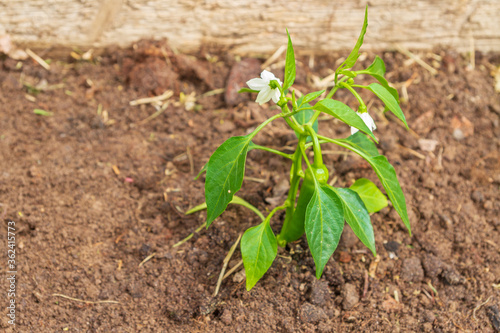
(265, 91)
(368, 121)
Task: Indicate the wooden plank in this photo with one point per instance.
(245, 27)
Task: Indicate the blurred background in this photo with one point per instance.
(247, 27)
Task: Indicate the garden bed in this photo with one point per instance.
(98, 189)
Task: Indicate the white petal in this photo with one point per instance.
(267, 76)
(354, 130)
(276, 95)
(368, 120)
(374, 127)
(257, 84)
(264, 95)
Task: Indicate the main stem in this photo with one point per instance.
(295, 174)
(318, 157)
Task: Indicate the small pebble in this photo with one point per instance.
(392, 246)
(477, 196)
(350, 295)
(344, 257)
(429, 317)
(240, 276)
(427, 144)
(227, 317)
(458, 134)
(446, 222)
(488, 205)
(427, 327)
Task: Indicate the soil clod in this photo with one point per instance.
(312, 314)
(411, 270)
(350, 296)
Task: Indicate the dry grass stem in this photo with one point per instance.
(226, 262)
(479, 307)
(148, 258)
(275, 56)
(417, 59)
(190, 236)
(84, 301)
(232, 270)
(166, 95)
(38, 59)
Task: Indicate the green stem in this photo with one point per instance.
(295, 175)
(362, 106)
(268, 218)
(274, 151)
(309, 144)
(293, 113)
(336, 87)
(318, 157)
(264, 124)
(339, 142)
(303, 150)
(314, 117)
(325, 139)
(291, 121)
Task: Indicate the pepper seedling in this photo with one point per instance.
(320, 210)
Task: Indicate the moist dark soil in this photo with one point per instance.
(98, 192)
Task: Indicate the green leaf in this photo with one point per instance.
(324, 223)
(357, 217)
(372, 197)
(386, 174)
(304, 116)
(225, 172)
(310, 97)
(341, 111)
(377, 71)
(289, 65)
(354, 55)
(348, 73)
(360, 141)
(247, 90)
(236, 200)
(390, 102)
(258, 250)
(377, 67)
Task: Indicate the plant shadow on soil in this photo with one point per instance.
(96, 188)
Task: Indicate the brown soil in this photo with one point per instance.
(94, 190)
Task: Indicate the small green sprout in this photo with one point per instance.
(41, 112)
